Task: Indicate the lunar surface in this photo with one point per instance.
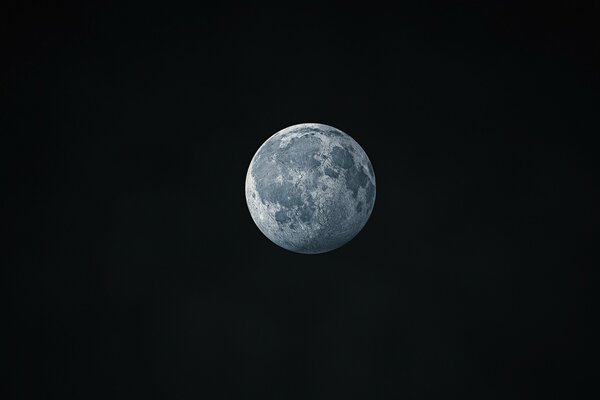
(310, 188)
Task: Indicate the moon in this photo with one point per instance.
(310, 188)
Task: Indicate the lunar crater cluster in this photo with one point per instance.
(310, 188)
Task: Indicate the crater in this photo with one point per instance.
(281, 217)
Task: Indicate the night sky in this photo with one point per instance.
(134, 270)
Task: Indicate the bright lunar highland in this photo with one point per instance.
(310, 188)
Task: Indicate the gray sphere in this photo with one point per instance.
(310, 188)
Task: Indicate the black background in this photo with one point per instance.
(135, 271)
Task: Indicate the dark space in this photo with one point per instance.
(134, 270)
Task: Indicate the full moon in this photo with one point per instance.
(310, 188)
